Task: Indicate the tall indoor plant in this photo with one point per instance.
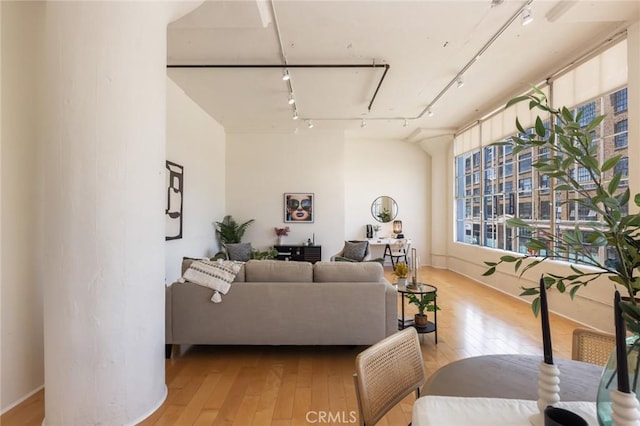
(569, 145)
(229, 231)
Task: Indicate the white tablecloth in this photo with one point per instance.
(462, 411)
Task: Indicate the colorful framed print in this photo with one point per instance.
(298, 207)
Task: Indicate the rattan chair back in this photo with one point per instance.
(386, 373)
(592, 346)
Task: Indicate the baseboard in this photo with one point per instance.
(144, 416)
(23, 399)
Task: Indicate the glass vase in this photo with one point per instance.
(609, 379)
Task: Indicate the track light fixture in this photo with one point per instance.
(430, 112)
(310, 124)
(363, 123)
(527, 18)
(406, 123)
(295, 114)
(460, 82)
(292, 100)
(285, 75)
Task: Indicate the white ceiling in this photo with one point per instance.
(426, 44)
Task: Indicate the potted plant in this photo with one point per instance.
(401, 271)
(270, 253)
(569, 145)
(424, 303)
(228, 231)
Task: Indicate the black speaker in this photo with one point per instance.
(369, 231)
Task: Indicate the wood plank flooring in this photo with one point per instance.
(288, 385)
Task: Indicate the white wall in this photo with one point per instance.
(197, 142)
(261, 167)
(22, 304)
(398, 169)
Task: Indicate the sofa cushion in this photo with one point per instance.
(355, 250)
(278, 271)
(186, 262)
(347, 272)
(239, 251)
(217, 275)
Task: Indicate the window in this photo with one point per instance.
(508, 169)
(544, 182)
(545, 210)
(524, 211)
(585, 212)
(619, 101)
(583, 174)
(486, 196)
(622, 167)
(524, 162)
(508, 187)
(524, 185)
(588, 112)
(621, 135)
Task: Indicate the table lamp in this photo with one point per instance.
(397, 228)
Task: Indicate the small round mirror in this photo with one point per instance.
(384, 209)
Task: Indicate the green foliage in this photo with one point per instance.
(229, 231)
(384, 215)
(270, 253)
(425, 303)
(569, 145)
(401, 270)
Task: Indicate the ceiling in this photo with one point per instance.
(425, 43)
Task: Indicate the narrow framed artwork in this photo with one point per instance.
(298, 207)
(175, 197)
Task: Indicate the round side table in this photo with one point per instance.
(420, 289)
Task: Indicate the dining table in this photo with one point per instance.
(502, 387)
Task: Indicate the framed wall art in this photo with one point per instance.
(175, 196)
(298, 207)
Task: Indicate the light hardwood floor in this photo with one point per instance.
(234, 385)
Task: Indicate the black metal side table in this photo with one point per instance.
(420, 289)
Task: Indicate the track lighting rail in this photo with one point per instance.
(283, 66)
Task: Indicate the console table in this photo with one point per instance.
(387, 243)
(299, 253)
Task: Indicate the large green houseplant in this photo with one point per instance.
(229, 231)
(569, 144)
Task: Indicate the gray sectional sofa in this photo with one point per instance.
(286, 303)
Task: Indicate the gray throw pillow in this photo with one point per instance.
(355, 250)
(239, 251)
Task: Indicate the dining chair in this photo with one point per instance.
(397, 251)
(386, 373)
(592, 346)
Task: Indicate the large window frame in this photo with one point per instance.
(517, 189)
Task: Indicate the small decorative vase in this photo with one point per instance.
(609, 379)
(402, 281)
(280, 240)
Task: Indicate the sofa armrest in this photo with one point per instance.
(168, 335)
(391, 307)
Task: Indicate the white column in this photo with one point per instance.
(633, 73)
(441, 202)
(103, 155)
